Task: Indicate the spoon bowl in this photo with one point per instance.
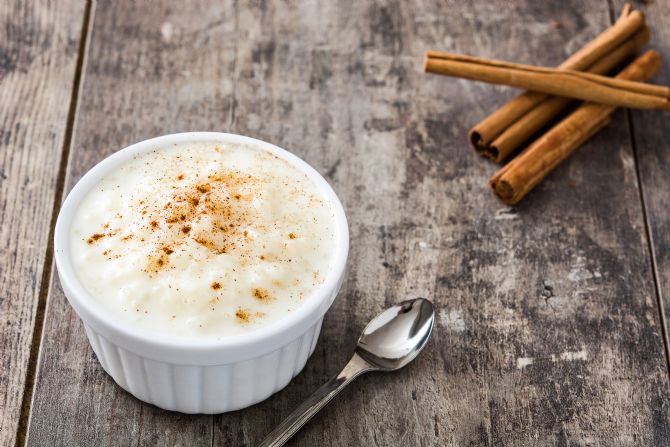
(396, 336)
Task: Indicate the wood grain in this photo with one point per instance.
(651, 133)
(548, 329)
(38, 55)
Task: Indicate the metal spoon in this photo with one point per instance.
(390, 341)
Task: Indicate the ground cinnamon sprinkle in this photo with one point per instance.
(260, 294)
(208, 202)
(203, 188)
(211, 211)
(94, 238)
(242, 315)
(157, 262)
(212, 246)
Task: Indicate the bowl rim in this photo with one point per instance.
(159, 345)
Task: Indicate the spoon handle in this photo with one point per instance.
(299, 417)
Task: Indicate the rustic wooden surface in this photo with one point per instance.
(652, 135)
(39, 42)
(549, 323)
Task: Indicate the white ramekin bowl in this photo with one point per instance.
(199, 375)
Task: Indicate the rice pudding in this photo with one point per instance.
(203, 239)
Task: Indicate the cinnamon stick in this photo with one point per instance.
(523, 173)
(562, 82)
(629, 23)
(538, 117)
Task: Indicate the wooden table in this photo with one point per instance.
(551, 327)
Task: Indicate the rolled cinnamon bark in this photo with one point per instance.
(561, 82)
(482, 134)
(540, 115)
(523, 173)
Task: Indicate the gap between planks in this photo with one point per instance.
(36, 340)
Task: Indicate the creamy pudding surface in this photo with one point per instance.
(203, 239)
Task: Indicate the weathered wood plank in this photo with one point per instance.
(39, 42)
(651, 132)
(153, 68)
(548, 331)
